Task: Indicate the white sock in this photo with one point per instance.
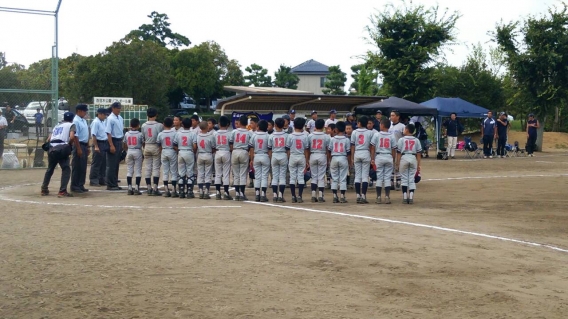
(320, 193)
(404, 196)
(257, 193)
(313, 193)
(411, 195)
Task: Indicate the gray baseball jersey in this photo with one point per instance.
(259, 142)
(184, 140)
(318, 142)
(384, 143)
(279, 162)
(339, 147)
(397, 131)
(166, 139)
(297, 143)
(277, 142)
(409, 145)
(150, 131)
(361, 139)
(240, 139)
(222, 138)
(133, 139)
(205, 142)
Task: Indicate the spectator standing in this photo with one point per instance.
(377, 120)
(332, 118)
(489, 131)
(3, 129)
(453, 129)
(292, 115)
(350, 121)
(79, 161)
(115, 134)
(38, 119)
(532, 126)
(10, 117)
(100, 148)
(503, 127)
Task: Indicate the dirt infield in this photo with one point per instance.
(108, 255)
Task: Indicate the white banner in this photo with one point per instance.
(109, 100)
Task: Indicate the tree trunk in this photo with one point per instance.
(540, 133)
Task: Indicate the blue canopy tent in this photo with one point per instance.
(394, 103)
(447, 106)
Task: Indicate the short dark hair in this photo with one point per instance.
(195, 117)
(320, 124)
(186, 123)
(224, 121)
(263, 125)
(134, 122)
(363, 120)
(271, 122)
(152, 112)
(168, 122)
(340, 126)
(396, 112)
(386, 123)
(454, 113)
(332, 126)
(411, 128)
(243, 120)
(212, 120)
(279, 122)
(299, 123)
(178, 117)
(255, 119)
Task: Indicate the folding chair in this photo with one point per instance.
(471, 149)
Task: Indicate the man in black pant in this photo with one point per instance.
(503, 126)
(3, 131)
(100, 148)
(79, 162)
(489, 131)
(532, 126)
(115, 134)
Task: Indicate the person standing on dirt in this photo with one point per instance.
(10, 117)
(453, 129)
(3, 126)
(79, 161)
(532, 126)
(115, 134)
(489, 131)
(503, 127)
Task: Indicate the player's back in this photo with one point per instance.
(277, 142)
(319, 142)
(384, 143)
(259, 142)
(409, 145)
(240, 138)
(222, 138)
(297, 143)
(150, 131)
(205, 142)
(185, 139)
(339, 145)
(361, 139)
(166, 139)
(133, 140)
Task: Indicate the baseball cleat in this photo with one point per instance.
(218, 197)
(156, 193)
(182, 195)
(314, 200)
(387, 200)
(150, 192)
(130, 192)
(201, 195)
(263, 199)
(227, 197)
(343, 200)
(378, 201)
(257, 198)
(405, 201)
(364, 201)
(137, 192)
(244, 198)
(300, 200)
(64, 194)
(175, 194)
(335, 200)
(206, 196)
(168, 194)
(411, 201)
(44, 192)
(358, 200)
(294, 199)
(280, 200)
(190, 195)
(321, 200)
(275, 199)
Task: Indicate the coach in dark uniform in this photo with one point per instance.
(79, 162)
(532, 126)
(115, 134)
(489, 131)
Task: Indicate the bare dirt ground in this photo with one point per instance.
(108, 255)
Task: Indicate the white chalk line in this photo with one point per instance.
(475, 159)
(492, 177)
(392, 221)
(546, 162)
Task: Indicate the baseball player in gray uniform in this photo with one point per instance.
(299, 157)
(169, 156)
(133, 142)
(279, 160)
(397, 130)
(184, 142)
(318, 142)
(361, 150)
(339, 151)
(239, 140)
(205, 144)
(222, 159)
(385, 148)
(260, 161)
(408, 160)
(152, 156)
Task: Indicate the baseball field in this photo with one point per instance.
(484, 239)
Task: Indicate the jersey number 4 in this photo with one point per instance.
(202, 144)
(409, 145)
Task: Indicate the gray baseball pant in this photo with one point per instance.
(279, 167)
(204, 168)
(240, 162)
(261, 164)
(384, 169)
(297, 165)
(152, 160)
(339, 166)
(170, 165)
(362, 165)
(222, 167)
(408, 167)
(134, 163)
(318, 167)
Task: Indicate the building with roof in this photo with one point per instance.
(312, 75)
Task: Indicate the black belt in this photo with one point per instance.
(117, 138)
(408, 153)
(102, 141)
(383, 153)
(84, 144)
(338, 155)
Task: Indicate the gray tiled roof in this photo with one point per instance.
(311, 67)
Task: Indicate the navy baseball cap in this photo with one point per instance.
(68, 116)
(116, 105)
(82, 107)
(379, 112)
(531, 115)
(349, 114)
(314, 112)
(292, 112)
(102, 110)
(333, 111)
(286, 117)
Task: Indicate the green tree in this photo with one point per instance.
(408, 41)
(257, 76)
(335, 81)
(284, 78)
(364, 81)
(536, 55)
(234, 76)
(158, 32)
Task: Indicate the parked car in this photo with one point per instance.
(32, 107)
(20, 123)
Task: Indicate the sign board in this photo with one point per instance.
(109, 100)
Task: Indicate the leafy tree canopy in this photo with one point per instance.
(159, 32)
(257, 76)
(284, 78)
(335, 81)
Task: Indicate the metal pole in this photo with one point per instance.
(54, 75)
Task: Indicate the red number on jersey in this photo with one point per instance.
(132, 140)
(361, 139)
(184, 141)
(241, 138)
(409, 145)
(149, 132)
(279, 142)
(338, 147)
(168, 141)
(299, 145)
(317, 144)
(384, 143)
(259, 143)
(202, 144)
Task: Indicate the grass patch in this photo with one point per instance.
(516, 126)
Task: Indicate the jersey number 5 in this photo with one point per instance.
(299, 145)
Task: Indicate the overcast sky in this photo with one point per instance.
(265, 32)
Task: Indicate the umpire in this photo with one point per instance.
(115, 134)
(100, 148)
(79, 162)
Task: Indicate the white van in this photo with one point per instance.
(31, 110)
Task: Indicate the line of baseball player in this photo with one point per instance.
(197, 147)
